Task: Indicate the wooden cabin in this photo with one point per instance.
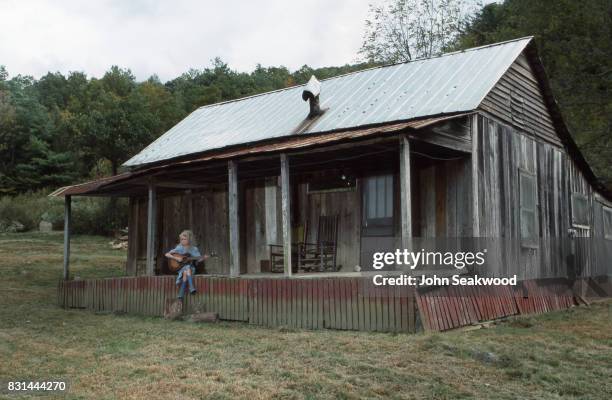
(424, 154)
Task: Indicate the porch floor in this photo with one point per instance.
(349, 274)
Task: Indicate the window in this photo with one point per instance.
(528, 209)
(580, 210)
(378, 205)
(607, 222)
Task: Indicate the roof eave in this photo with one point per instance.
(416, 123)
(555, 112)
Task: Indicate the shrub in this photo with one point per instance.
(99, 216)
(26, 209)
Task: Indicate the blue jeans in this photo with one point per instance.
(184, 286)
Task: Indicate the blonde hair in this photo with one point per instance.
(190, 236)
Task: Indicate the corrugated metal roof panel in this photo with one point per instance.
(88, 188)
(454, 82)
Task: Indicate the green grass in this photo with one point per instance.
(558, 355)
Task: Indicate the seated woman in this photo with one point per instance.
(186, 246)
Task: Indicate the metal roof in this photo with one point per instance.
(451, 83)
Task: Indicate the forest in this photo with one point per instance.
(64, 129)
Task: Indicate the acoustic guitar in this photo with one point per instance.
(175, 265)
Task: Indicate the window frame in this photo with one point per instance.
(605, 209)
(529, 242)
(383, 226)
(586, 200)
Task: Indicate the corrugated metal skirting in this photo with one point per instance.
(328, 303)
(334, 303)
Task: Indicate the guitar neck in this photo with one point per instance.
(197, 258)
(186, 259)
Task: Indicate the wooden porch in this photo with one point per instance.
(240, 209)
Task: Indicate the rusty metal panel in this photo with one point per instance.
(89, 187)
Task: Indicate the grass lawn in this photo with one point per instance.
(558, 355)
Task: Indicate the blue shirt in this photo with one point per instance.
(193, 251)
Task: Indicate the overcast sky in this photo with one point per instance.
(168, 38)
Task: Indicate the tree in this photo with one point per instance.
(402, 30)
(3, 73)
(28, 161)
(7, 124)
(117, 123)
(573, 39)
(160, 103)
(52, 90)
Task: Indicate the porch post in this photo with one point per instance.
(405, 192)
(151, 215)
(67, 201)
(475, 177)
(232, 196)
(286, 212)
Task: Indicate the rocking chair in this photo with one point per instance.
(277, 256)
(320, 256)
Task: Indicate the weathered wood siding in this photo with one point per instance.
(503, 151)
(453, 134)
(517, 100)
(176, 216)
(601, 246)
(444, 193)
(518, 133)
(137, 236)
(203, 212)
(210, 224)
(345, 204)
(261, 222)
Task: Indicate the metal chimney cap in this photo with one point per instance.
(312, 89)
